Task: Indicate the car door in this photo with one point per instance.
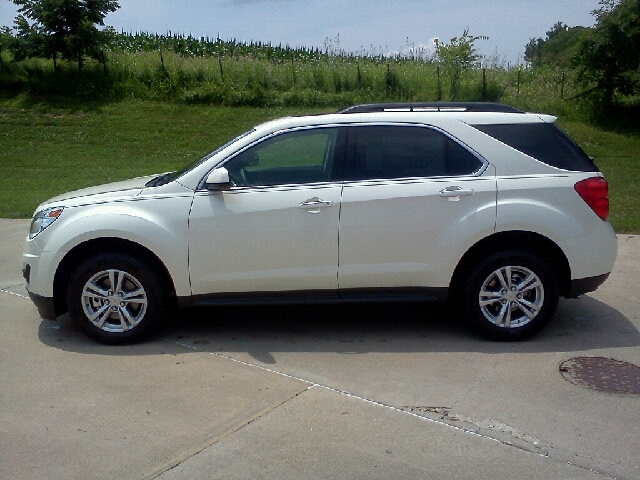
(414, 199)
(276, 228)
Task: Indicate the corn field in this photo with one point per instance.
(211, 71)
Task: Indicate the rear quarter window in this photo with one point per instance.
(544, 142)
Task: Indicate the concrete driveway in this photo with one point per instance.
(356, 391)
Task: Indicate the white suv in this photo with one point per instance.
(482, 204)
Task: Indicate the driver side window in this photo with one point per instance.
(298, 157)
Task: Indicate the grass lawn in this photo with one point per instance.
(47, 150)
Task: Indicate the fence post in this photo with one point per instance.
(484, 84)
(519, 82)
(438, 87)
(388, 78)
(562, 88)
(221, 70)
(164, 70)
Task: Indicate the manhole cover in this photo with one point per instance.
(602, 374)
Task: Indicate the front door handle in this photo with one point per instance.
(313, 205)
(454, 193)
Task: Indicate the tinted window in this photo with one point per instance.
(544, 142)
(304, 156)
(460, 161)
(401, 151)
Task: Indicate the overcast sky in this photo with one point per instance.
(377, 26)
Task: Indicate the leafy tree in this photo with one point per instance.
(61, 27)
(5, 39)
(608, 58)
(457, 56)
(532, 50)
(558, 48)
(556, 30)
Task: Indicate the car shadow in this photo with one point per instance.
(579, 325)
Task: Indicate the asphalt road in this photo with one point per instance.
(352, 391)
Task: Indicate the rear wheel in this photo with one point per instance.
(510, 295)
(115, 298)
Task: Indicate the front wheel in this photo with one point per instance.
(510, 295)
(115, 298)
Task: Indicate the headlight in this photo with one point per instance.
(43, 219)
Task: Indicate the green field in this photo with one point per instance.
(46, 150)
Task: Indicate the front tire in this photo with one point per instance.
(115, 298)
(510, 296)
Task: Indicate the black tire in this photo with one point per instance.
(124, 313)
(513, 307)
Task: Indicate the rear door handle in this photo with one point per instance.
(313, 205)
(454, 193)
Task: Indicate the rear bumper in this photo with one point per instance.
(44, 305)
(584, 285)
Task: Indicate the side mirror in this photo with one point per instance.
(218, 180)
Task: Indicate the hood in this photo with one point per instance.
(101, 193)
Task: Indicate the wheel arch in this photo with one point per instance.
(531, 242)
(84, 250)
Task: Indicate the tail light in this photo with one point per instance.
(595, 192)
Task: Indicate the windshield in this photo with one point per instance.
(171, 176)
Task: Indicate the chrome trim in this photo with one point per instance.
(313, 205)
(474, 175)
(408, 180)
(484, 161)
(287, 187)
(455, 191)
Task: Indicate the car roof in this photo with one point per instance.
(474, 113)
(431, 107)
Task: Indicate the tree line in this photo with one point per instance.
(606, 56)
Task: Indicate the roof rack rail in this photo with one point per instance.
(431, 107)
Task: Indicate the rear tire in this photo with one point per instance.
(115, 299)
(510, 296)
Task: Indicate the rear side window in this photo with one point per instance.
(544, 142)
(385, 151)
